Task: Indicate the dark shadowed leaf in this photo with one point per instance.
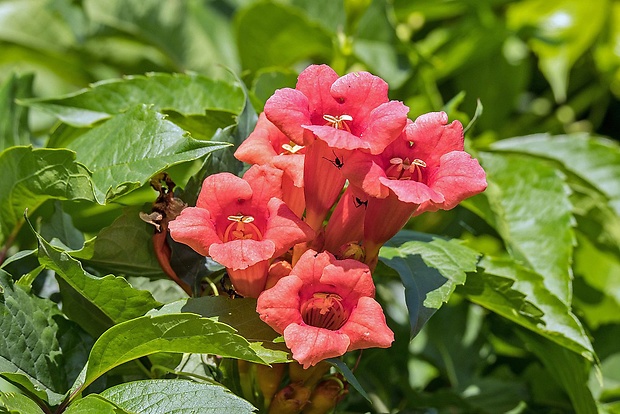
(430, 272)
(95, 303)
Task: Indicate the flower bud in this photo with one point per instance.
(269, 379)
(309, 376)
(290, 399)
(326, 395)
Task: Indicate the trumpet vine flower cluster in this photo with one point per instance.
(337, 170)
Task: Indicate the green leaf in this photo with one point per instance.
(520, 295)
(238, 313)
(176, 395)
(60, 231)
(19, 403)
(38, 343)
(342, 367)
(594, 159)
(95, 303)
(33, 23)
(32, 176)
(567, 368)
(297, 37)
(529, 200)
(597, 290)
(186, 94)
(430, 272)
(561, 32)
(125, 247)
(125, 152)
(14, 120)
(94, 404)
(178, 333)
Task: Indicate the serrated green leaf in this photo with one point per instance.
(14, 120)
(297, 37)
(240, 314)
(19, 403)
(125, 247)
(185, 94)
(179, 333)
(594, 159)
(520, 295)
(569, 369)
(562, 32)
(94, 404)
(32, 176)
(430, 272)
(531, 210)
(126, 151)
(38, 343)
(95, 303)
(176, 395)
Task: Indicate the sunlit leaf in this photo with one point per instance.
(594, 159)
(178, 396)
(186, 94)
(181, 333)
(520, 295)
(125, 152)
(528, 200)
(19, 403)
(32, 176)
(239, 313)
(430, 272)
(94, 404)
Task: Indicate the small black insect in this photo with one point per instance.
(359, 202)
(336, 162)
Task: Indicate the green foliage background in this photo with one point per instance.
(523, 281)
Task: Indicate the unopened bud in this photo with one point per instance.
(352, 250)
(290, 399)
(326, 395)
(269, 379)
(309, 376)
(277, 271)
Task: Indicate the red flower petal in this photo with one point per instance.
(432, 138)
(221, 191)
(279, 306)
(266, 183)
(315, 83)
(239, 254)
(258, 147)
(366, 326)
(194, 228)
(288, 109)
(414, 192)
(351, 278)
(284, 228)
(360, 93)
(458, 178)
(385, 124)
(311, 345)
